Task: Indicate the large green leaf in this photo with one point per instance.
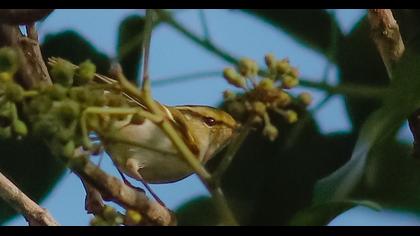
(324, 213)
(29, 165)
(312, 27)
(73, 47)
(376, 155)
(130, 40)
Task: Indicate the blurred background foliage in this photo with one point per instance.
(280, 176)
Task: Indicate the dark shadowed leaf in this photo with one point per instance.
(29, 165)
(311, 27)
(71, 46)
(198, 211)
(360, 63)
(130, 40)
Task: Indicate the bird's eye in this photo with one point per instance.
(209, 121)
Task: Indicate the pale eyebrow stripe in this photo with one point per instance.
(196, 114)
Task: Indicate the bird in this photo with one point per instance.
(154, 159)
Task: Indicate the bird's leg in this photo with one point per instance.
(128, 182)
(132, 165)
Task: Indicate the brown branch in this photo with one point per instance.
(23, 16)
(385, 33)
(94, 201)
(33, 213)
(112, 189)
(32, 71)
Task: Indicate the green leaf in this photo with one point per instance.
(199, 211)
(73, 47)
(320, 214)
(377, 134)
(130, 40)
(30, 166)
(312, 28)
(323, 214)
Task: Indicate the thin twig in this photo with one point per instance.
(386, 35)
(186, 77)
(166, 17)
(33, 213)
(32, 71)
(356, 90)
(93, 201)
(231, 151)
(204, 24)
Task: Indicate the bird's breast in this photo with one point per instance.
(155, 155)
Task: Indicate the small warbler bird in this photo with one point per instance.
(153, 158)
(205, 130)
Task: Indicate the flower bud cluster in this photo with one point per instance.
(54, 113)
(264, 92)
(109, 216)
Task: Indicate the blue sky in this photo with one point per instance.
(172, 55)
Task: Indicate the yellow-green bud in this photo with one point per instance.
(305, 98)
(270, 60)
(132, 217)
(5, 132)
(40, 104)
(20, 128)
(81, 94)
(9, 60)
(57, 92)
(282, 66)
(99, 100)
(270, 131)
(236, 108)
(85, 73)
(259, 108)
(229, 95)
(137, 119)
(68, 149)
(294, 72)
(46, 126)
(289, 82)
(63, 72)
(13, 92)
(109, 213)
(6, 76)
(68, 110)
(118, 220)
(234, 78)
(266, 84)
(284, 99)
(248, 67)
(114, 100)
(98, 221)
(291, 116)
